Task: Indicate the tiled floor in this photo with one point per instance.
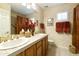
(53, 50)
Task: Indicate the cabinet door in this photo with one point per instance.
(39, 48)
(44, 47)
(31, 51)
(34, 50)
(39, 51)
(28, 52)
(46, 40)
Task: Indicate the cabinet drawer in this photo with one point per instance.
(39, 44)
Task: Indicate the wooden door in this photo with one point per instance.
(77, 28)
(21, 23)
(18, 24)
(74, 28)
(75, 34)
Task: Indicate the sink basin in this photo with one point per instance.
(13, 43)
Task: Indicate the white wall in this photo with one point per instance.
(5, 22)
(61, 40)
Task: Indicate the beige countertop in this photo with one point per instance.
(14, 51)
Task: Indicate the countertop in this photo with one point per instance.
(14, 51)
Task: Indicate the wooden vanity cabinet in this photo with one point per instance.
(38, 49)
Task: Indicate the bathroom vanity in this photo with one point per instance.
(37, 45)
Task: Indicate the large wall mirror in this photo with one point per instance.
(4, 21)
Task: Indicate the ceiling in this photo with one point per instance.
(19, 8)
(46, 5)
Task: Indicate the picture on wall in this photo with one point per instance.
(50, 22)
